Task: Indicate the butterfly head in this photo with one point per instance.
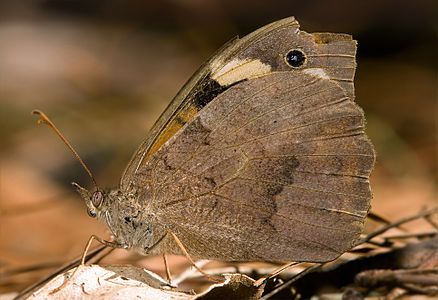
(94, 201)
(128, 225)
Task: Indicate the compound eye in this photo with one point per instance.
(295, 58)
(97, 198)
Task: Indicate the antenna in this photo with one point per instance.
(44, 119)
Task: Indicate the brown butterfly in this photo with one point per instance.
(262, 156)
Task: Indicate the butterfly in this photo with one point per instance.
(261, 156)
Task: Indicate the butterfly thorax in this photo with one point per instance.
(128, 222)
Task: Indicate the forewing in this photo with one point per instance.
(258, 54)
(274, 168)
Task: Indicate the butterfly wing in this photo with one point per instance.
(274, 164)
(254, 55)
(181, 109)
(280, 173)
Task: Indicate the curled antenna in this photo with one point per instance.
(44, 119)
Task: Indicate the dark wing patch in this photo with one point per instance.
(207, 92)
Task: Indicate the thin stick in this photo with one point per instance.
(102, 256)
(290, 281)
(432, 222)
(412, 235)
(44, 119)
(378, 218)
(398, 223)
(5, 272)
(74, 263)
(84, 254)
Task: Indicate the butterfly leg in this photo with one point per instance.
(100, 240)
(166, 266)
(274, 273)
(187, 255)
(84, 255)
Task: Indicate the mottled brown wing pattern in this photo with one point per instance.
(262, 52)
(275, 167)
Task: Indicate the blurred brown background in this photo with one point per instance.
(105, 70)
